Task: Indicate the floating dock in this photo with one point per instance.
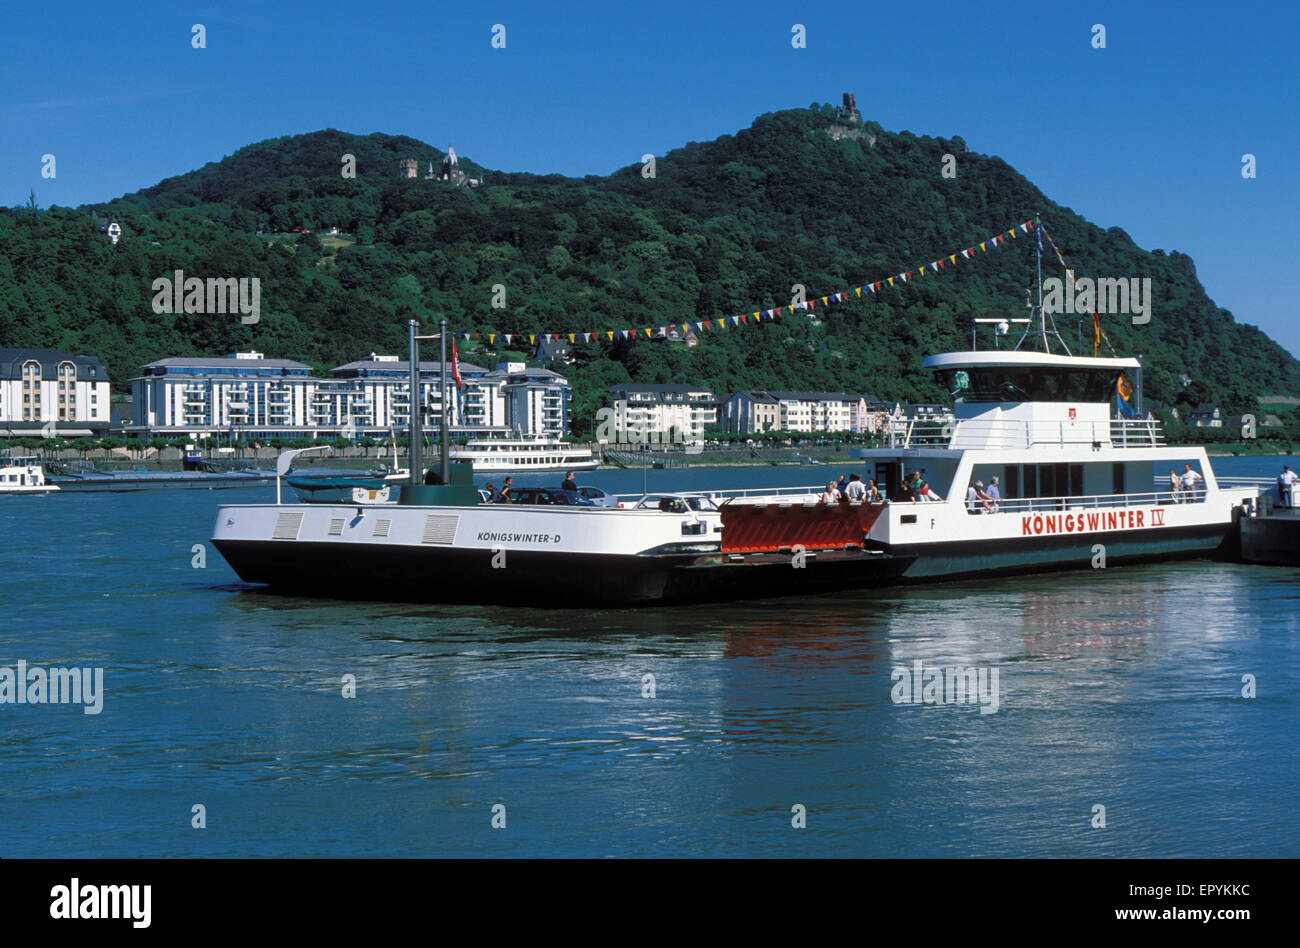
(1272, 536)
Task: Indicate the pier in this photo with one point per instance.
(1272, 536)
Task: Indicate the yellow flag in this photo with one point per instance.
(610, 335)
(891, 281)
(982, 245)
(571, 337)
(952, 259)
(859, 291)
(492, 337)
(532, 339)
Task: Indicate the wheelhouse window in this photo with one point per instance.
(1029, 384)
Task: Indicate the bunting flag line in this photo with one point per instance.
(767, 315)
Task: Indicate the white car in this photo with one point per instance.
(598, 497)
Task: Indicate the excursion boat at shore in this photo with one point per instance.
(23, 476)
(521, 455)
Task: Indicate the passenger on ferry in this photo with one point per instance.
(1175, 482)
(491, 493)
(569, 483)
(873, 492)
(842, 485)
(1286, 486)
(831, 496)
(1191, 482)
(856, 491)
(976, 500)
(994, 494)
(505, 497)
(925, 495)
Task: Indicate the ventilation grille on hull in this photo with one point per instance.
(439, 528)
(336, 527)
(381, 527)
(286, 526)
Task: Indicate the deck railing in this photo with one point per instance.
(1010, 434)
(1089, 502)
(783, 494)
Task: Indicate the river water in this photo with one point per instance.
(1120, 689)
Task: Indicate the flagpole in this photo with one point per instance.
(415, 462)
(444, 436)
(1042, 317)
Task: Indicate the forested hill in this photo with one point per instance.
(722, 227)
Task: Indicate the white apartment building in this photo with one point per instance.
(662, 412)
(757, 411)
(44, 392)
(248, 394)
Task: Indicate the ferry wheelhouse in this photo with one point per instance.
(520, 455)
(1074, 482)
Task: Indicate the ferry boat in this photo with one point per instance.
(441, 542)
(23, 476)
(1075, 484)
(520, 455)
(1074, 490)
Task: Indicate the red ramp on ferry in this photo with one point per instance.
(770, 528)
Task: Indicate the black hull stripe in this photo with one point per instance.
(548, 579)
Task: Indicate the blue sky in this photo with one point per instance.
(1147, 134)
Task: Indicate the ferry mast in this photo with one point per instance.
(1042, 330)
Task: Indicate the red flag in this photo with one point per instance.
(455, 366)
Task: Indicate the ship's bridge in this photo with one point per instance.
(1014, 400)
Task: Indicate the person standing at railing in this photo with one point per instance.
(873, 492)
(994, 494)
(1191, 480)
(1286, 487)
(856, 491)
(1175, 482)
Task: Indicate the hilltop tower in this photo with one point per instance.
(408, 168)
(849, 110)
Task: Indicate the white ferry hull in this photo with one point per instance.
(30, 489)
(515, 555)
(948, 543)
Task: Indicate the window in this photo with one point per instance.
(31, 391)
